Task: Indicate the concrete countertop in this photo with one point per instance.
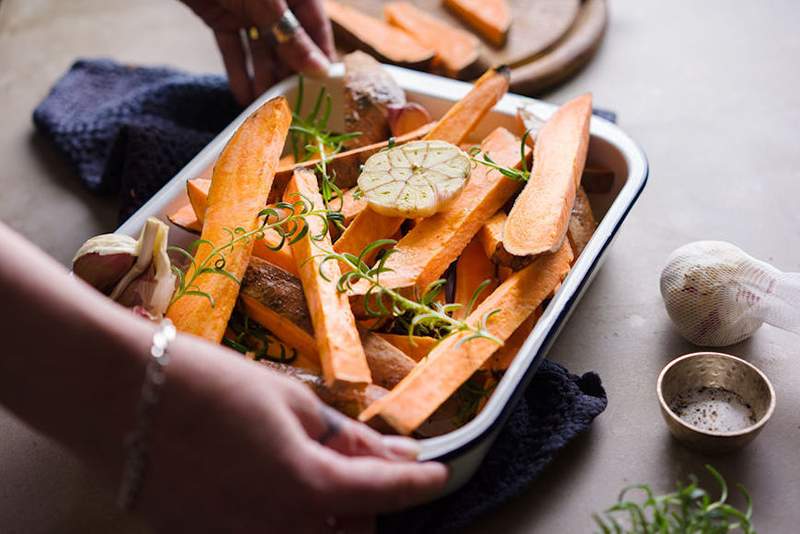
(709, 89)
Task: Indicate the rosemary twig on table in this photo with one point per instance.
(288, 220)
(381, 301)
(688, 510)
(521, 174)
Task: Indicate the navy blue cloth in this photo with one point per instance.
(130, 129)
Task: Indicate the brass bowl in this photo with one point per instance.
(714, 402)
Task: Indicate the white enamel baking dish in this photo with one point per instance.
(463, 449)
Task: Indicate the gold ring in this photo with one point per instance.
(253, 33)
(285, 28)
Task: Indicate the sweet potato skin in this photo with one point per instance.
(416, 348)
(537, 223)
(338, 344)
(581, 223)
(453, 362)
(240, 184)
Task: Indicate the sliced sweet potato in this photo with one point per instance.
(274, 299)
(491, 238)
(240, 184)
(367, 227)
(417, 347)
(352, 205)
(456, 49)
(408, 118)
(197, 190)
(282, 257)
(338, 344)
(355, 30)
(454, 360)
(490, 18)
(185, 217)
(581, 223)
(465, 115)
(369, 93)
(537, 223)
(426, 251)
(501, 359)
(472, 269)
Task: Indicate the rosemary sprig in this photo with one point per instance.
(289, 220)
(251, 338)
(311, 134)
(381, 301)
(690, 509)
(522, 174)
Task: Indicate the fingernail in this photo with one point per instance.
(402, 448)
(318, 64)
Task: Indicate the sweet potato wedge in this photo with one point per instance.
(369, 93)
(338, 345)
(463, 117)
(416, 348)
(425, 252)
(367, 227)
(490, 18)
(275, 300)
(453, 361)
(185, 217)
(240, 184)
(491, 238)
(197, 190)
(581, 223)
(501, 359)
(456, 50)
(472, 269)
(537, 222)
(355, 30)
(352, 205)
(408, 118)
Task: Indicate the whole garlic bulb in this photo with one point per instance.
(717, 295)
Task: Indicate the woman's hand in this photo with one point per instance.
(238, 448)
(308, 51)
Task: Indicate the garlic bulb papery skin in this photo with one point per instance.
(717, 295)
(103, 261)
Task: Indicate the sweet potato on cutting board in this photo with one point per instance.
(537, 223)
(473, 267)
(453, 361)
(338, 345)
(581, 223)
(275, 300)
(490, 18)
(240, 185)
(369, 93)
(355, 30)
(456, 49)
(425, 252)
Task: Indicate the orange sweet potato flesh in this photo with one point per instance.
(185, 217)
(490, 18)
(338, 344)
(417, 347)
(197, 190)
(501, 359)
(454, 360)
(472, 269)
(425, 252)
(368, 226)
(240, 184)
(275, 300)
(537, 223)
(456, 49)
(581, 223)
(356, 30)
(465, 115)
(352, 205)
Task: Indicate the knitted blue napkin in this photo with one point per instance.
(128, 130)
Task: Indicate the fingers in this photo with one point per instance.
(264, 63)
(234, 58)
(366, 485)
(312, 16)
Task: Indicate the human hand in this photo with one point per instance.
(238, 448)
(308, 51)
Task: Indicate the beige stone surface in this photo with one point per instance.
(710, 91)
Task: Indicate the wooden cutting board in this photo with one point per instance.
(566, 31)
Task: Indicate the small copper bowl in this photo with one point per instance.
(714, 402)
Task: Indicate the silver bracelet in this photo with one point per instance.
(137, 442)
